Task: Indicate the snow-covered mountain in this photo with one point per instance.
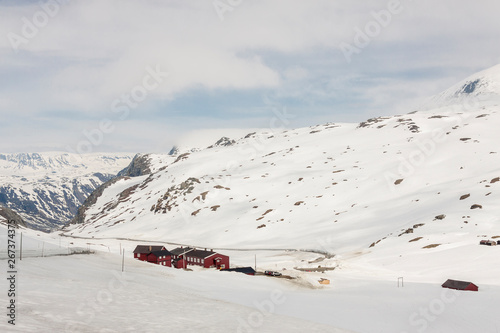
(423, 179)
(46, 189)
(482, 86)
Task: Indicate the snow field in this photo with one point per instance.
(88, 293)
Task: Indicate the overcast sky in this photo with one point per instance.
(122, 75)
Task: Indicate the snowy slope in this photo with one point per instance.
(331, 187)
(89, 293)
(47, 188)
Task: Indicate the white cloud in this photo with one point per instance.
(92, 52)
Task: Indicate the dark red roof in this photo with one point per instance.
(459, 285)
(148, 248)
(200, 254)
(161, 253)
(181, 250)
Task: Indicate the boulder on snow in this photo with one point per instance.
(465, 196)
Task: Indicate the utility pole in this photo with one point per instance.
(256, 263)
(21, 246)
(123, 260)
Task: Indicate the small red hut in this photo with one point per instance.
(460, 285)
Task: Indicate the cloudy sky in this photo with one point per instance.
(123, 75)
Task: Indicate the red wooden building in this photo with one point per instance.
(162, 257)
(178, 256)
(182, 257)
(141, 252)
(460, 285)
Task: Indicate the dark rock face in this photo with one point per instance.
(223, 142)
(92, 199)
(9, 215)
(174, 151)
(470, 87)
(138, 167)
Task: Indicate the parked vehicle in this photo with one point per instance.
(272, 273)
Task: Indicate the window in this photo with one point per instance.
(202, 261)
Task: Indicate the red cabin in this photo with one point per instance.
(179, 263)
(181, 257)
(141, 252)
(178, 256)
(460, 285)
(162, 257)
(218, 260)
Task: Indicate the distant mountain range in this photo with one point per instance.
(46, 189)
